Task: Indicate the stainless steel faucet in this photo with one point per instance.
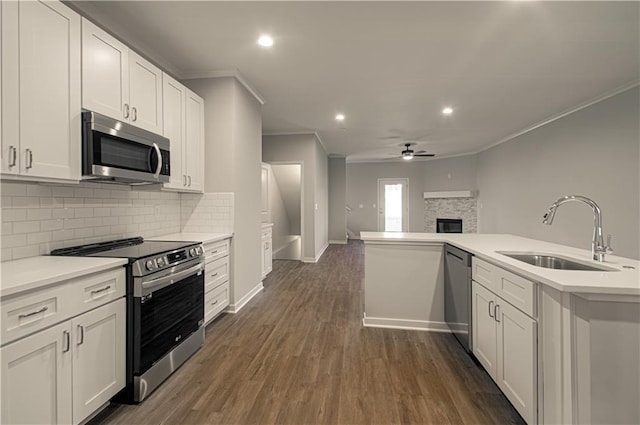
(598, 248)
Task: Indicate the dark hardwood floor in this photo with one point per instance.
(298, 354)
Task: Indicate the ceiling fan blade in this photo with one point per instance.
(395, 157)
(424, 154)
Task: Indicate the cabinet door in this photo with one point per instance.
(194, 152)
(36, 378)
(517, 359)
(174, 97)
(264, 258)
(145, 93)
(268, 259)
(484, 328)
(98, 357)
(49, 90)
(105, 73)
(10, 74)
(264, 190)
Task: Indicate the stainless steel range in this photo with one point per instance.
(165, 306)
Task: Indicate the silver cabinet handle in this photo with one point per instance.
(214, 252)
(67, 342)
(33, 313)
(189, 181)
(496, 312)
(215, 302)
(184, 179)
(490, 309)
(125, 110)
(81, 330)
(134, 114)
(13, 153)
(29, 155)
(97, 291)
(159, 167)
(215, 274)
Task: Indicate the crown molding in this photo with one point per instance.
(563, 114)
(234, 73)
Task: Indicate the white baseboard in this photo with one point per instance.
(315, 260)
(355, 237)
(234, 308)
(336, 242)
(416, 325)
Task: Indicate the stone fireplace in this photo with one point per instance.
(451, 205)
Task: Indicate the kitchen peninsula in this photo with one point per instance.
(563, 345)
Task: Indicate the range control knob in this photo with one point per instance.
(198, 250)
(192, 252)
(150, 265)
(160, 262)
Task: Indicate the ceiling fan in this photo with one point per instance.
(409, 153)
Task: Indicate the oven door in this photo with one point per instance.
(166, 310)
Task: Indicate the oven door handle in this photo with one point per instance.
(161, 282)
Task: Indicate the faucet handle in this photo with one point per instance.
(607, 248)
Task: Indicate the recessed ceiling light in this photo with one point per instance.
(265, 41)
(447, 111)
(340, 117)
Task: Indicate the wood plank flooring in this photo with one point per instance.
(298, 354)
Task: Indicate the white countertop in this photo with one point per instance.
(35, 272)
(265, 225)
(195, 237)
(620, 282)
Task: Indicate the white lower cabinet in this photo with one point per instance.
(267, 251)
(63, 349)
(216, 281)
(98, 357)
(36, 378)
(505, 343)
(65, 373)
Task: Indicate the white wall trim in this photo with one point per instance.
(317, 258)
(337, 242)
(234, 308)
(451, 194)
(228, 73)
(415, 325)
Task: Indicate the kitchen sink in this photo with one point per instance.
(550, 261)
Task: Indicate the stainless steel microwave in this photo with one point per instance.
(117, 152)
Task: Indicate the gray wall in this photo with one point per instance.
(337, 199)
(301, 148)
(321, 198)
(457, 173)
(233, 136)
(593, 152)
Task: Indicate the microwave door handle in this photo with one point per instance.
(159, 167)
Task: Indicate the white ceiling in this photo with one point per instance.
(391, 67)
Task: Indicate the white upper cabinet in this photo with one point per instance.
(194, 152)
(145, 93)
(174, 98)
(41, 91)
(183, 122)
(119, 83)
(105, 73)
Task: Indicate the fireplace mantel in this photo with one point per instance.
(451, 194)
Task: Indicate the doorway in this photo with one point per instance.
(393, 205)
(286, 210)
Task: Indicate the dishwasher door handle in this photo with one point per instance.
(454, 255)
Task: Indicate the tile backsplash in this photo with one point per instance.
(37, 218)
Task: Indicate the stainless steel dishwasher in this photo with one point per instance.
(457, 295)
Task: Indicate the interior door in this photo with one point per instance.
(393, 205)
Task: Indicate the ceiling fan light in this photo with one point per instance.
(407, 156)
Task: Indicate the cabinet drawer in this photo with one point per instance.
(98, 289)
(518, 291)
(215, 250)
(28, 313)
(215, 301)
(216, 272)
(267, 232)
(484, 273)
